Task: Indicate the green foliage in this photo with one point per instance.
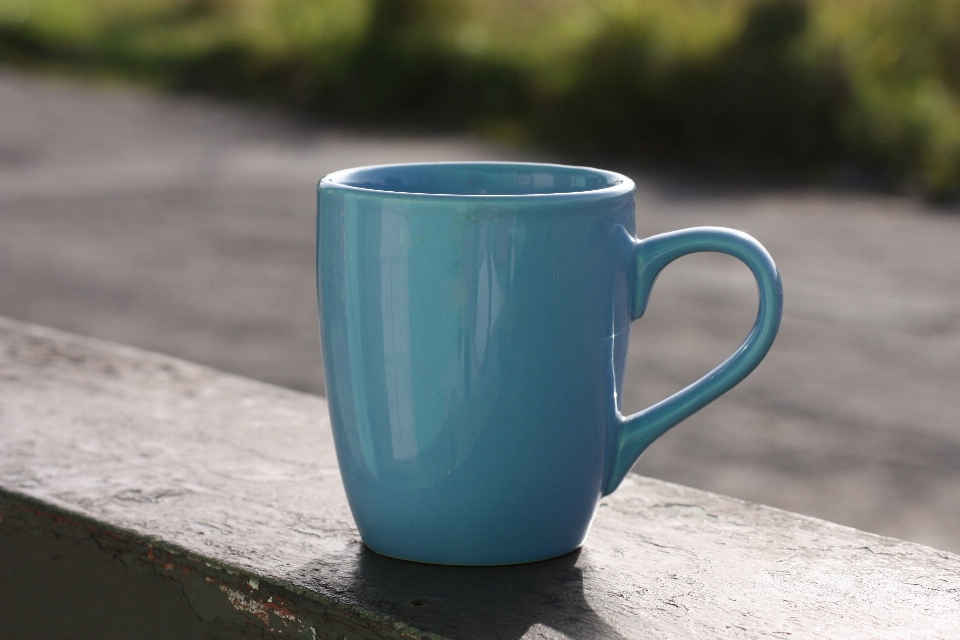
(783, 85)
(759, 98)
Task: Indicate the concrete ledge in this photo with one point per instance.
(143, 496)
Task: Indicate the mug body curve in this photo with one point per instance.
(474, 320)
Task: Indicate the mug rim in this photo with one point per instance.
(622, 185)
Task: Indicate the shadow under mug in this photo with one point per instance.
(475, 320)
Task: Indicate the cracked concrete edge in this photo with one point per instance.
(657, 547)
(228, 602)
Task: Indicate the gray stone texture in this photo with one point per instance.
(185, 226)
(147, 497)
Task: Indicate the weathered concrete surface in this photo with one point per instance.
(142, 496)
(186, 226)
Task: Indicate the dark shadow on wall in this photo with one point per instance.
(470, 602)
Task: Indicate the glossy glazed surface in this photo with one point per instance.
(475, 320)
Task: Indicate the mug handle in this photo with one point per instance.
(651, 255)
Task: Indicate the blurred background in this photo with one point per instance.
(158, 161)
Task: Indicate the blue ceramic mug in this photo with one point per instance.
(474, 320)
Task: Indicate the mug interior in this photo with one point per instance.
(477, 178)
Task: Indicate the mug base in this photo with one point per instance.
(466, 562)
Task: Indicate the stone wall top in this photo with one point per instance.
(228, 489)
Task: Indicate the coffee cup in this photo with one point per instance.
(475, 320)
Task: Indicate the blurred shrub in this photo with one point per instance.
(762, 97)
(786, 85)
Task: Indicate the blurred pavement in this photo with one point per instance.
(185, 226)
